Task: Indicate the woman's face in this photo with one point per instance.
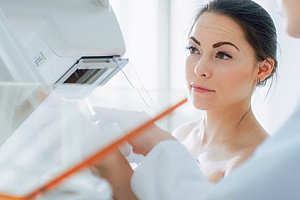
(221, 69)
(291, 14)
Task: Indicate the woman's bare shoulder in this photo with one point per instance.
(184, 130)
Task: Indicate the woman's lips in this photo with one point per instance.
(200, 89)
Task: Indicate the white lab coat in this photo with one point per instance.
(169, 172)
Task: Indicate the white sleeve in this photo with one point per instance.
(169, 172)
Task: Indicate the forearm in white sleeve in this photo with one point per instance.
(169, 172)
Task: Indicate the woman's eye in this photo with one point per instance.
(223, 55)
(192, 49)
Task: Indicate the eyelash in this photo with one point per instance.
(193, 50)
(223, 54)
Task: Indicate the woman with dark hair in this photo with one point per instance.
(231, 48)
(230, 53)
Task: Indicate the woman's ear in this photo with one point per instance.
(265, 69)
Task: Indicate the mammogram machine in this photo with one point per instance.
(55, 58)
(56, 42)
(45, 44)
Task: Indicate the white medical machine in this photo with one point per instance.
(56, 42)
(70, 41)
(53, 42)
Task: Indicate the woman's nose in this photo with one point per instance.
(202, 68)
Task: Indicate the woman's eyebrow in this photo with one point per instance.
(224, 43)
(214, 45)
(195, 40)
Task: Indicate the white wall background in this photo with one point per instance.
(155, 33)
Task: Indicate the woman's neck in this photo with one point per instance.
(231, 125)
